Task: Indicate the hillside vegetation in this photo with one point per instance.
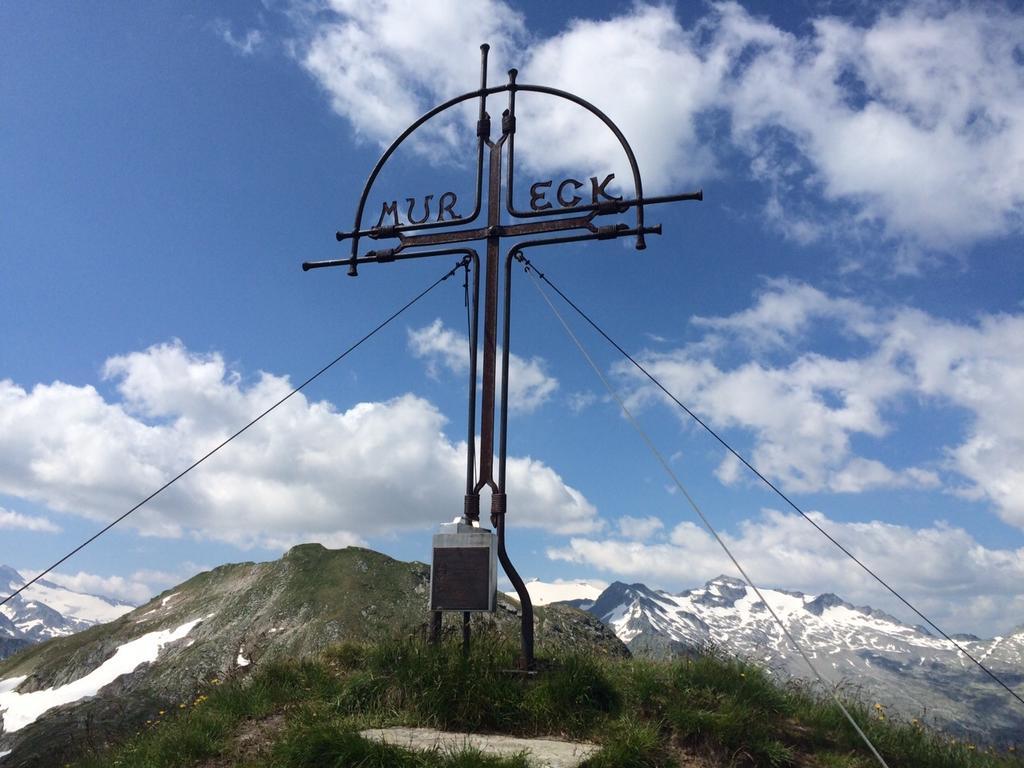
(296, 607)
(706, 711)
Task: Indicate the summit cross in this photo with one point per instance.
(451, 234)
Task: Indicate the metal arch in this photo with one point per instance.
(357, 231)
(483, 123)
(638, 192)
(481, 93)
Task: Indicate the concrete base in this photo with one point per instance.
(541, 753)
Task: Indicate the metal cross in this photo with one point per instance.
(448, 235)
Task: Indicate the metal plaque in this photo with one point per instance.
(463, 574)
(460, 579)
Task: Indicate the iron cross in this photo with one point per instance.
(450, 234)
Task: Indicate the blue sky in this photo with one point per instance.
(845, 305)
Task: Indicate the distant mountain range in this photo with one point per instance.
(47, 610)
(912, 671)
(101, 682)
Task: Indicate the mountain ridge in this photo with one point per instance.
(225, 623)
(46, 610)
(918, 673)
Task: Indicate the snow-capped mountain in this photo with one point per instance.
(912, 671)
(46, 610)
(581, 594)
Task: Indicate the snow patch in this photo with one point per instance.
(21, 709)
(241, 660)
(543, 592)
(11, 683)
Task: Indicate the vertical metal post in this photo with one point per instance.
(490, 316)
(434, 632)
(472, 510)
(499, 499)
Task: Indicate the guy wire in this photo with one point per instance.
(774, 488)
(707, 523)
(199, 461)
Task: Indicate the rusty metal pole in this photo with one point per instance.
(499, 501)
(493, 229)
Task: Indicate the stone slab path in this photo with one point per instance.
(541, 753)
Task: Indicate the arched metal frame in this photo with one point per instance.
(441, 237)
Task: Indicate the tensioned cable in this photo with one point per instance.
(771, 485)
(707, 523)
(197, 462)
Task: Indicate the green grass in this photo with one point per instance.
(643, 714)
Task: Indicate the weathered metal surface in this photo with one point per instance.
(460, 580)
(433, 224)
(463, 571)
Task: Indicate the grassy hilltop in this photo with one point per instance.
(704, 712)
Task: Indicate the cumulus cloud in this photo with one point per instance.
(911, 124)
(308, 471)
(530, 384)
(621, 65)
(136, 588)
(805, 408)
(941, 568)
(979, 368)
(15, 520)
(384, 64)
(639, 528)
(926, 98)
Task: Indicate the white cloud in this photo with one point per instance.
(805, 408)
(136, 588)
(621, 65)
(530, 386)
(580, 401)
(784, 311)
(962, 584)
(911, 125)
(980, 369)
(926, 99)
(803, 414)
(307, 472)
(639, 528)
(244, 45)
(15, 520)
(384, 64)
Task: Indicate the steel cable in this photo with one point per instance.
(199, 461)
(707, 523)
(774, 488)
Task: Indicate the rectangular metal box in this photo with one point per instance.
(464, 569)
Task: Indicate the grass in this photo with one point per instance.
(643, 714)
